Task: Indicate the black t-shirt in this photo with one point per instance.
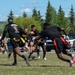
(13, 30)
(51, 32)
(36, 33)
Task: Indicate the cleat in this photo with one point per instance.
(14, 64)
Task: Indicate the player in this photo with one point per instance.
(60, 43)
(15, 33)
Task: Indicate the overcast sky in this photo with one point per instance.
(19, 6)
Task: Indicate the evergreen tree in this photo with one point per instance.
(62, 21)
(24, 14)
(50, 14)
(71, 19)
(35, 15)
(39, 15)
(40, 18)
(10, 14)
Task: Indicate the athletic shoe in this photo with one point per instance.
(14, 64)
(38, 57)
(45, 58)
(71, 62)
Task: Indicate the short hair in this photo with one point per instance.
(46, 24)
(32, 26)
(25, 27)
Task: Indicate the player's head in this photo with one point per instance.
(33, 27)
(10, 20)
(25, 29)
(45, 25)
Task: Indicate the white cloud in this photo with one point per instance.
(16, 15)
(27, 10)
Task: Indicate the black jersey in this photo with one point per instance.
(13, 30)
(36, 33)
(51, 32)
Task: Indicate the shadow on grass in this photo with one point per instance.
(6, 65)
(32, 59)
(36, 65)
(48, 66)
(51, 66)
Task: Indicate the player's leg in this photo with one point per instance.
(68, 53)
(32, 49)
(63, 58)
(15, 57)
(44, 51)
(38, 51)
(17, 49)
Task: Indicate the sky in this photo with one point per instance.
(20, 6)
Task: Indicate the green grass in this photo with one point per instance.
(52, 66)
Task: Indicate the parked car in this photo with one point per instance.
(72, 41)
(49, 44)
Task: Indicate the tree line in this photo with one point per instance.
(51, 16)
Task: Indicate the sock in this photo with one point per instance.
(29, 55)
(24, 57)
(38, 52)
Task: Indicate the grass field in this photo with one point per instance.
(52, 66)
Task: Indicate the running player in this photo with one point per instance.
(59, 42)
(15, 34)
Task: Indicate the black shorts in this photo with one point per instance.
(14, 44)
(60, 46)
(40, 44)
